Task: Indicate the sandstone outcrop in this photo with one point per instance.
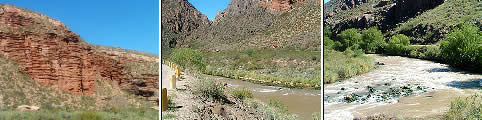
(56, 57)
(280, 5)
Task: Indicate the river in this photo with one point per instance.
(402, 87)
(302, 102)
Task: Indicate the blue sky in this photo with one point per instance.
(127, 24)
(210, 8)
(324, 1)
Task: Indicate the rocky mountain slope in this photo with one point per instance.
(254, 24)
(425, 21)
(179, 19)
(52, 55)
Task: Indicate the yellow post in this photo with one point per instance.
(178, 73)
(173, 82)
(164, 99)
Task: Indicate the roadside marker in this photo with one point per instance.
(173, 82)
(178, 73)
(164, 99)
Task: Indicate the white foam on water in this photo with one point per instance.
(398, 71)
(267, 90)
(339, 115)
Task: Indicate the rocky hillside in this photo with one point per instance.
(52, 55)
(425, 21)
(179, 19)
(255, 24)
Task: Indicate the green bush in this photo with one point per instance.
(462, 47)
(328, 43)
(465, 109)
(187, 57)
(398, 45)
(209, 88)
(373, 40)
(242, 93)
(342, 65)
(350, 38)
(88, 115)
(432, 53)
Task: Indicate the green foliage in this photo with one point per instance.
(125, 113)
(462, 47)
(168, 116)
(398, 45)
(342, 65)
(88, 115)
(288, 68)
(187, 57)
(209, 88)
(469, 108)
(242, 93)
(316, 116)
(373, 40)
(432, 53)
(350, 38)
(272, 111)
(277, 104)
(328, 43)
(327, 32)
(443, 17)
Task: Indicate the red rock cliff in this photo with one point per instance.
(280, 5)
(54, 56)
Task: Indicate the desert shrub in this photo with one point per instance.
(465, 109)
(242, 93)
(432, 53)
(88, 115)
(209, 88)
(277, 104)
(373, 40)
(330, 76)
(187, 57)
(250, 52)
(350, 38)
(462, 47)
(274, 110)
(342, 65)
(398, 45)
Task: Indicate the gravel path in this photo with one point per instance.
(189, 106)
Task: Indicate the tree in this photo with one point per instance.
(462, 47)
(398, 45)
(373, 40)
(350, 38)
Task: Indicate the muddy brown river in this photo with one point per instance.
(302, 102)
(403, 87)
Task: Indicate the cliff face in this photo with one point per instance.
(179, 19)
(54, 56)
(280, 5)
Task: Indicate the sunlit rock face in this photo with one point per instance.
(52, 55)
